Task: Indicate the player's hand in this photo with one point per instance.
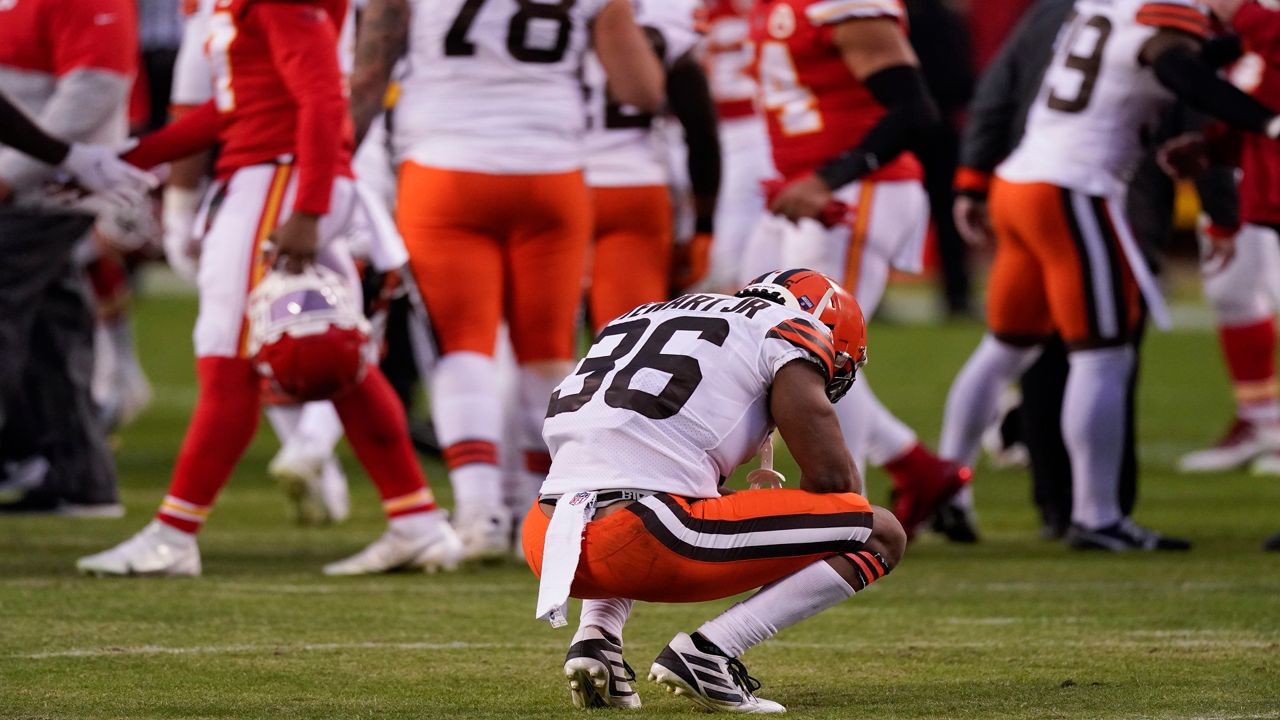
(295, 242)
(1184, 156)
(690, 261)
(178, 215)
(101, 171)
(807, 197)
(973, 221)
(1217, 247)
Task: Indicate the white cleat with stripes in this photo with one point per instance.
(156, 550)
(598, 676)
(434, 549)
(710, 679)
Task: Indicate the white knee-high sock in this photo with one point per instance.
(887, 437)
(467, 410)
(974, 394)
(1093, 427)
(535, 383)
(320, 427)
(284, 420)
(609, 614)
(778, 605)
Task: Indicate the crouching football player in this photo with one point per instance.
(670, 399)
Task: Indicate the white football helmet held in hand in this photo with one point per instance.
(307, 335)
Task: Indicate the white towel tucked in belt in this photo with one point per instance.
(560, 555)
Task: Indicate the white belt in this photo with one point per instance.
(560, 553)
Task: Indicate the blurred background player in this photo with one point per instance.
(491, 116)
(1241, 268)
(68, 67)
(281, 116)
(1066, 259)
(746, 161)
(626, 169)
(845, 101)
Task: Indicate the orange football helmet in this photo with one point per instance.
(834, 308)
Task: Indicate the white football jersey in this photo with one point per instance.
(495, 86)
(622, 148)
(672, 397)
(192, 75)
(1098, 104)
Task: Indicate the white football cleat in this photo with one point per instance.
(598, 676)
(156, 550)
(485, 535)
(713, 680)
(1243, 442)
(1266, 464)
(430, 546)
(313, 482)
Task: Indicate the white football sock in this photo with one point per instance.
(466, 406)
(284, 420)
(609, 615)
(871, 432)
(535, 384)
(320, 427)
(416, 524)
(778, 605)
(1093, 428)
(972, 400)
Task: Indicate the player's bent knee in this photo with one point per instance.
(887, 537)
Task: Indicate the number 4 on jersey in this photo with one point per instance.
(456, 43)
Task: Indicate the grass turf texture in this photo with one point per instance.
(1013, 628)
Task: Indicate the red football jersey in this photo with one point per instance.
(1258, 73)
(279, 90)
(816, 108)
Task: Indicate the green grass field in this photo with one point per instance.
(1013, 628)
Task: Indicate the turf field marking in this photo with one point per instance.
(278, 649)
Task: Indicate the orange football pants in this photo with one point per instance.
(666, 548)
(1059, 266)
(634, 234)
(484, 248)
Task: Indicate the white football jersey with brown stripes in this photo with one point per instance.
(672, 397)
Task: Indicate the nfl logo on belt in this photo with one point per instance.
(579, 498)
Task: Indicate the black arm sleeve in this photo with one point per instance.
(1195, 83)
(693, 106)
(911, 115)
(18, 131)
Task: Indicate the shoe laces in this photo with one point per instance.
(738, 672)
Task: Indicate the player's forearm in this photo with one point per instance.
(193, 132)
(910, 116)
(1182, 71)
(19, 132)
(694, 107)
(382, 40)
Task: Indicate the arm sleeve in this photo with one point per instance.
(1195, 83)
(193, 132)
(84, 105)
(693, 106)
(18, 131)
(911, 115)
(192, 75)
(304, 48)
(793, 339)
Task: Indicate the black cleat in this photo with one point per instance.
(1123, 536)
(598, 676)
